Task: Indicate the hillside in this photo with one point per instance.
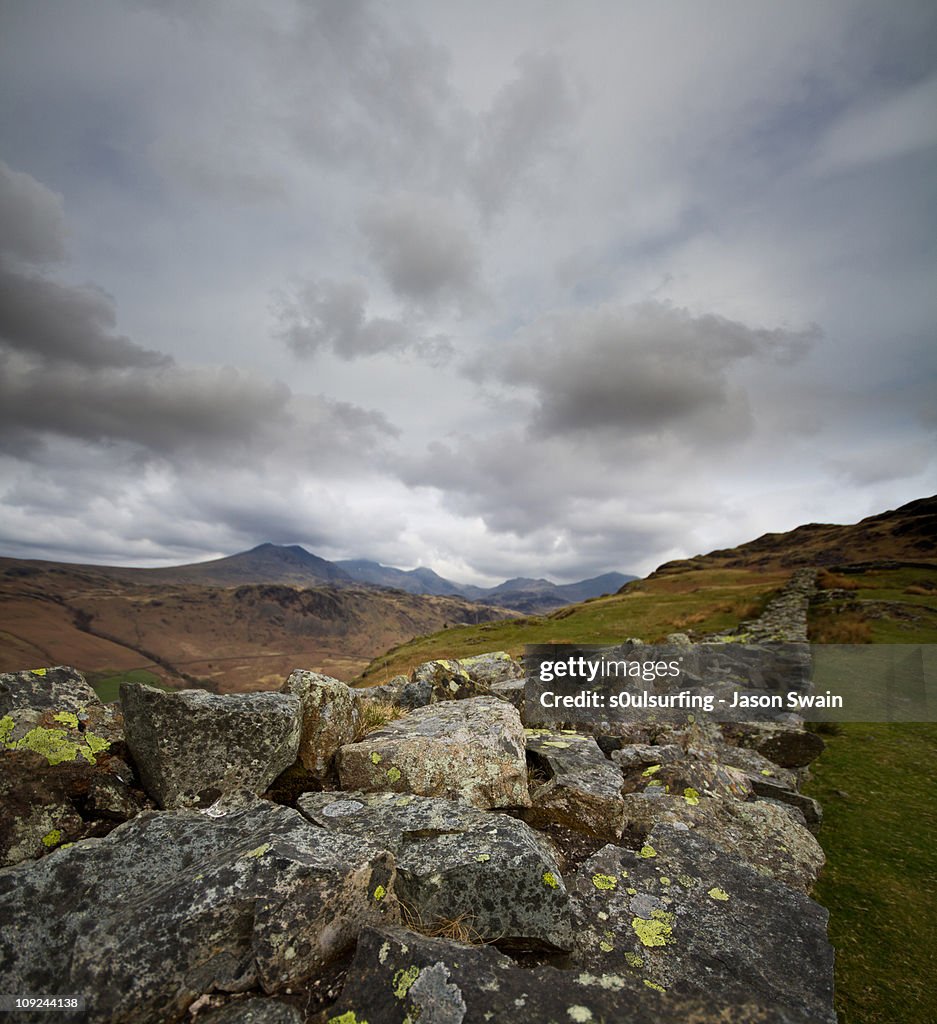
(891, 595)
(231, 638)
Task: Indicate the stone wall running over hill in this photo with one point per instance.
(266, 858)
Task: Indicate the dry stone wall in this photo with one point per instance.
(449, 867)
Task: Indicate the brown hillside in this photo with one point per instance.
(905, 534)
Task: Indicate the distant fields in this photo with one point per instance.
(107, 684)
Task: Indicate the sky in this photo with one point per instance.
(501, 288)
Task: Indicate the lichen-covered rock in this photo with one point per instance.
(513, 691)
(174, 905)
(491, 668)
(398, 977)
(61, 776)
(749, 761)
(767, 789)
(767, 837)
(690, 778)
(789, 746)
(491, 872)
(684, 915)
(191, 747)
(581, 788)
(440, 680)
(471, 749)
(633, 756)
(330, 717)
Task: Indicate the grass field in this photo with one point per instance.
(107, 684)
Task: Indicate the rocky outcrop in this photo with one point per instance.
(330, 715)
(471, 749)
(492, 873)
(191, 747)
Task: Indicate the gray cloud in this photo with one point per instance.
(32, 219)
(422, 248)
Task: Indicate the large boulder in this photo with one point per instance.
(579, 788)
(63, 773)
(330, 718)
(470, 749)
(398, 977)
(494, 667)
(439, 680)
(491, 873)
(769, 838)
(174, 905)
(683, 915)
(191, 747)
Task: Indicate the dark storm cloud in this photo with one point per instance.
(642, 369)
(421, 247)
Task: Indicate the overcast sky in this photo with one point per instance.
(502, 288)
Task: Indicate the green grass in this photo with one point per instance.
(877, 787)
(702, 602)
(107, 684)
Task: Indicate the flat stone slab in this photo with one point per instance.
(398, 977)
(190, 747)
(766, 837)
(454, 862)
(174, 905)
(583, 788)
(469, 749)
(684, 915)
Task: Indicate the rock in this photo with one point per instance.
(690, 778)
(582, 789)
(440, 680)
(747, 760)
(762, 835)
(513, 691)
(811, 810)
(174, 905)
(490, 872)
(685, 915)
(255, 1010)
(495, 667)
(645, 755)
(190, 747)
(61, 778)
(786, 745)
(330, 718)
(471, 749)
(398, 977)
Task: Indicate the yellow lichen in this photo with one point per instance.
(605, 882)
(633, 960)
(52, 838)
(652, 770)
(6, 729)
(38, 671)
(718, 894)
(347, 1018)
(67, 718)
(393, 774)
(654, 985)
(691, 796)
(483, 858)
(376, 757)
(606, 947)
(664, 880)
(258, 851)
(550, 880)
(379, 893)
(647, 851)
(403, 979)
(654, 932)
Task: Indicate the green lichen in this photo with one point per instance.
(624, 874)
(605, 882)
(6, 729)
(647, 851)
(687, 881)
(555, 743)
(67, 718)
(55, 745)
(379, 893)
(632, 892)
(38, 671)
(606, 947)
(767, 771)
(718, 894)
(633, 960)
(347, 1018)
(653, 770)
(654, 985)
(393, 774)
(52, 838)
(258, 851)
(483, 858)
(550, 880)
(657, 931)
(403, 979)
(95, 744)
(664, 880)
(691, 796)
(376, 757)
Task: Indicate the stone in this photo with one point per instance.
(492, 873)
(786, 745)
(190, 747)
(330, 718)
(766, 789)
(643, 755)
(174, 905)
(765, 836)
(690, 778)
(749, 761)
(513, 691)
(581, 789)
(683, 914)
(440, 680)
(255, 1010)
(61, 776)
(495, 667)
(470, 749)
(398, 976)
